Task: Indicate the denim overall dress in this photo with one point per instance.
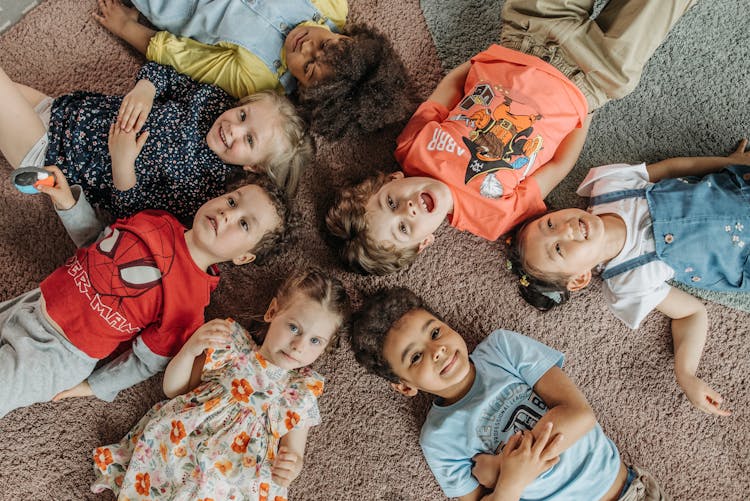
(260, 26)
(701, 228)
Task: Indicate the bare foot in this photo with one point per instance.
(113, 15)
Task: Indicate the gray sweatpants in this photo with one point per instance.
(36, 362)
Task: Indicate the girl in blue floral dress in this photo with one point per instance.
(187, 140)
(237, 424)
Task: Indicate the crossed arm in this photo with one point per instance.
(568, 419)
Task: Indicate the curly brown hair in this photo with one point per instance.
(368, 87)
(346, 222)
(370, 327)
(281, 236)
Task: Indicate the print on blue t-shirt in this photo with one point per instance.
(500, 402)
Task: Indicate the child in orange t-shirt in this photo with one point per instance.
(503, 129)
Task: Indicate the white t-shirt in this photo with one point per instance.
(633, 294)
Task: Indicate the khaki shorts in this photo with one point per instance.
(644, 487)
(38, 153)
(604, 57)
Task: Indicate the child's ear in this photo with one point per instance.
(404, 389)
(247, 257)
(579, 281)
(426, 242)
(273, 308)
(253, 168)
(396, 175)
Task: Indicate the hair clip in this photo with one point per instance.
(508, 264)
(524, 280)
(557, 297)
(509, 240)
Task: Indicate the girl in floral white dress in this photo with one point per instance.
(237, 424)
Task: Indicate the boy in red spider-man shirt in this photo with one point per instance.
(146, 279)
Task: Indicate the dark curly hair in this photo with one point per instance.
(281, 236)
(368, 87)
(347, 223)
(370, 327)
(542, 291)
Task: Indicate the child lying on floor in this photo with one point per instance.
(237, 423)
(647, 224)
(144, 279)
(508, 384)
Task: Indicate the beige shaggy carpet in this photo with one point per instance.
(692, 100)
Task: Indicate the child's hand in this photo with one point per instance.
(740, 156)
(520, 465)
(487, 466)
(135, 107)
(286, 467)
(60, 193)
(124, 148)
(703, 396)
(82, 389)
(213, 333)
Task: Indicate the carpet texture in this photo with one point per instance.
(692, 101)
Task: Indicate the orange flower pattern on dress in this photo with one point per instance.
(209, 352)
(316, 388)
(263, 492)
(210, 404)
(223, 466)
(261, 360)
(232, 423)
(178, 432)
(142, 483)
(103, 458)
(292, 419)
(239, 444)
(241, 390)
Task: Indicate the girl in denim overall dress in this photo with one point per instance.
(645, 225)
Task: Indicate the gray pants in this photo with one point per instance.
(604, 56)
(36, 362)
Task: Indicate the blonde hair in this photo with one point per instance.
(287, 162)
(346, 221)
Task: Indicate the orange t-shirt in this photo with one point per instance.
(515, 112)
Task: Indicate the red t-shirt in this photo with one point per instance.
(515, 112)
(139, 279)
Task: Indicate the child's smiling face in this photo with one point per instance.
(247, 135)
(299, 331)
(406, 211)
(565, 243)
(427, 355)
(229, 227)
(306, 48)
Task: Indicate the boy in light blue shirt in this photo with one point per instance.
(509, 387)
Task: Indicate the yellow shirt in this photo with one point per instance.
(232, 67)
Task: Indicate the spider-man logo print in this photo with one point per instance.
(126, 265)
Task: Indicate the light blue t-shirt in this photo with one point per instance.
(500, 402)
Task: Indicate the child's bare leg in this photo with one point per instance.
(20, 126)
(33, 96)
(123, 22)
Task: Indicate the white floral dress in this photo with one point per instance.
(218, 441)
